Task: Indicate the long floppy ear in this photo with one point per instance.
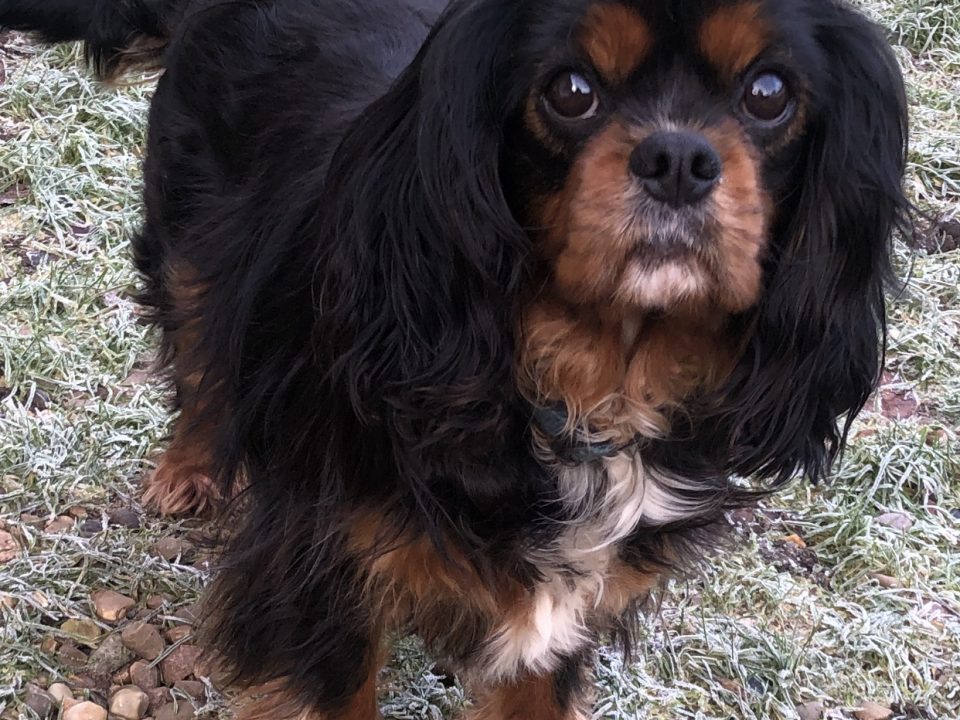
(817, 346)
(416, 291)
(411, 266)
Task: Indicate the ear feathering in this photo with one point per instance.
(818, 336)
(406, 388)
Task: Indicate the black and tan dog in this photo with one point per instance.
(476, 311)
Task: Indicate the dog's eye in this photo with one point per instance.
(570, 96)
(767, 97)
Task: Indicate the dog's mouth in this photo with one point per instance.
(668, 262)
(657, 251)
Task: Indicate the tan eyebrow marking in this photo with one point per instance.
(616, 39)
(733, 36)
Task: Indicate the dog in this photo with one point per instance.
(477, 315)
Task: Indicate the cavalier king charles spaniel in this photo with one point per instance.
(478, 314)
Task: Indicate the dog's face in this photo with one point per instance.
(656, 143)
(688, 204)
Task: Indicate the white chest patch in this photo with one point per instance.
(551, 627)
(606, 501)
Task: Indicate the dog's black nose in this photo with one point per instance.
(678, 168)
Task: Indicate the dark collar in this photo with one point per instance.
(576, 447)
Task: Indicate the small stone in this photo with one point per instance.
(39, 700)
(78, 512)
(122, 677)
(176, 711)
(159, 697)
(9, 548)
(68, 703)
(885, 581)
(124, 517)
(795, 539)
(873, 711)
(895, 521)
(111, 606)
(85, 711)
(936, 613)
(129, 703)
(49, 645)
(810, 710)
(84, 682)
(209, 669)
(143, 639)
(178, 633)
(170, 549)
(85, 630)
(731, 686)
(110, 656)
(179, 664)
(31, 519)
(71, 656)
(59, 524)
(193, 689)
(144, 676)
(90, 527)
(756, 684)
(187, 615)
(60, 692)
(155, 602)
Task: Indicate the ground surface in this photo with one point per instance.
(835, 595)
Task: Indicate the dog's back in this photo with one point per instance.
(248, 90)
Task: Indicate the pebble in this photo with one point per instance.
(39, 700)
(159, 696)
(155, 602)
(84, 682)
(170, 549)
(143, 639)
(144, 676)
(59, 524)
(60, 692)
(71, 656)
(872, 711)
(85, 711)
(78, 512)
(9, 548)
(90, 527)
(178, 633)
(187, 615)
(176, 711)
(179, 664)
(810, 710)
(49, 645)
(193, 689)
(129, 703)
(84, 629)
(795, 539)
(110, 655)
(895, 521)
(111, 606)
(124, 517)
(885, 581)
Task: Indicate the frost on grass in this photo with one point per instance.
(820, 598)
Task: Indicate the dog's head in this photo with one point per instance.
(672, 218)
